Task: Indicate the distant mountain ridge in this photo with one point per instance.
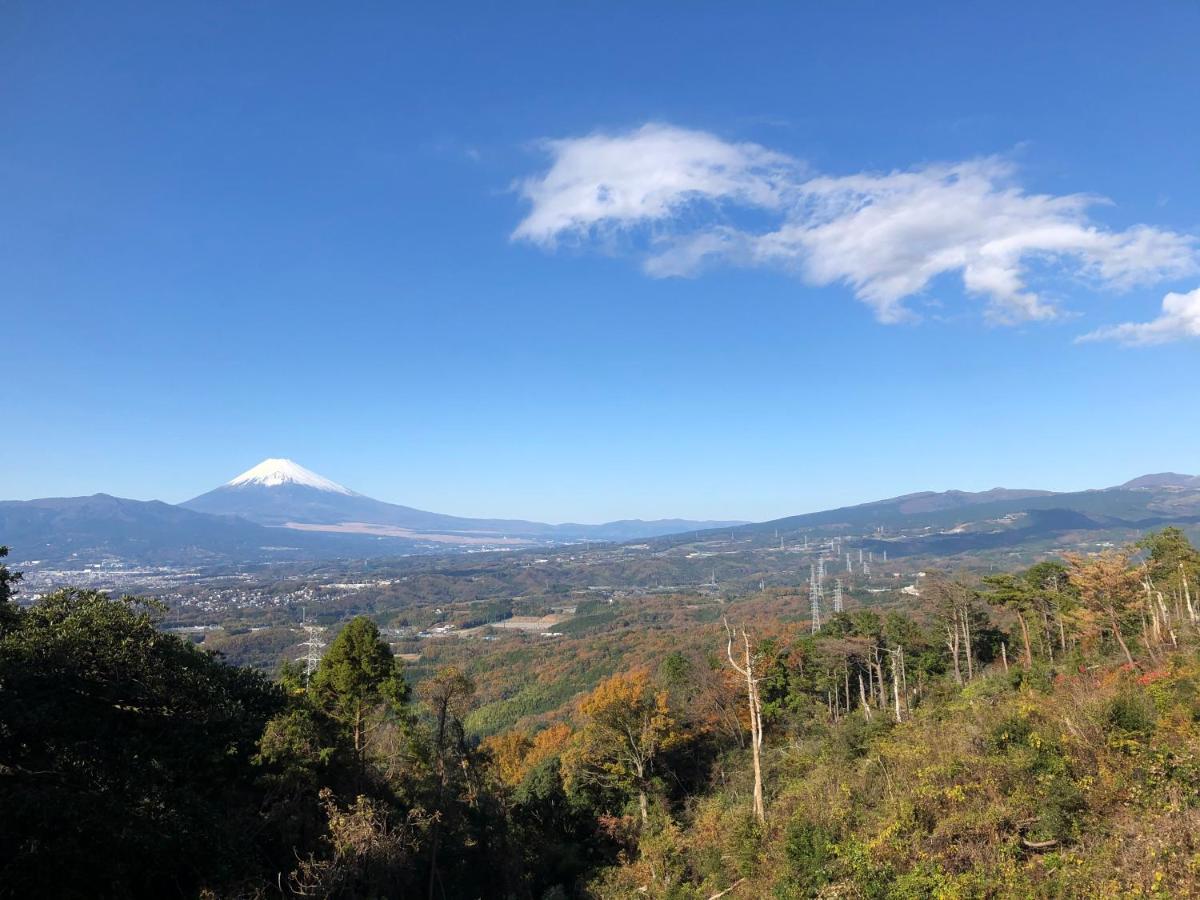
(284, 493)
(950, 522)
(242, 521)
(149, 531)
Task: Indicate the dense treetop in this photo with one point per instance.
(1031, 733)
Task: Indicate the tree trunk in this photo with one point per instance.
(643, 800)
(952, 646)
(1025, 638)
(880, 686)
(967, 643)
(896, 688)
(443, 713)
(862, 695)
(1187, 594)
(760, 809)
(1155, 627)
(1116, 627)
(1146, 642)
(755, 705)
(1166, 618)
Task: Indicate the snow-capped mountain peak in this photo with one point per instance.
(276, 472)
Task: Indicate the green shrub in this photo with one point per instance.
(1011, 731)
(1060, 804)
(852, 740)
(808, 851)
(1131, 712)
(926, 880)
(747, 845)
(1040, 678)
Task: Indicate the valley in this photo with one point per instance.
(536, 634)
(515, 610)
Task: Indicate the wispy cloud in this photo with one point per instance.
(1180, 319)
(682, 199)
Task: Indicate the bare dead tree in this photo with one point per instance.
(1187, 594)
(952, 646)
(965, 615)
(754, 703)
(896, 681)
(862, 695)
(877, 665)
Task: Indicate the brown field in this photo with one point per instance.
(394, 531)
(535, 624)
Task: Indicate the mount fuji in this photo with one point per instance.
(276, 472)
(281, 492)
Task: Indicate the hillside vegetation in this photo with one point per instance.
(1028, 734)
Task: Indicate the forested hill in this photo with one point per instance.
(1030, 734)
(956, 522)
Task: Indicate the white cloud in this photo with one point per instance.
(651, 174)
(690, 195)
(1180, 319)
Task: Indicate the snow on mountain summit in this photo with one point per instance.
(275, 472)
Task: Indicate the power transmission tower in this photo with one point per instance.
(814, 595)
(837, 596)
(312, 647)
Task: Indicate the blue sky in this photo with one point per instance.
(590, 261)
